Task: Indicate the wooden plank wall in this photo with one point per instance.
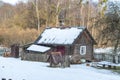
(42, 57)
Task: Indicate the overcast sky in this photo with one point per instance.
(12, 1)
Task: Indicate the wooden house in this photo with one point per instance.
(75, 42)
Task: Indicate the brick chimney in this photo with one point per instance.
(61, 23)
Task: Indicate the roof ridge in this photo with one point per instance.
(79, 27)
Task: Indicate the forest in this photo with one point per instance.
(23, 22)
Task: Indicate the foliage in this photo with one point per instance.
(111, 30)
(109, 27)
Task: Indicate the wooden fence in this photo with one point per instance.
(106, 57)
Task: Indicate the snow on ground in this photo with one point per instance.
(15, 69)
(108, 63)
(108, 50)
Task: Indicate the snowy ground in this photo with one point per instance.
(16, 69)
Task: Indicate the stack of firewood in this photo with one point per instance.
(7, 54)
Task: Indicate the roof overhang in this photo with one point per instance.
(38, 48)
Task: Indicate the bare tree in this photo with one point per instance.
(35, 3)
(110, 27)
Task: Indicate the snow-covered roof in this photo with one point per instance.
(38, 48)
(60, 35)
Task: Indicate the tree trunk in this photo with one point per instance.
(115, 59)
(37, 12)
(83, 22)
(57, 13)
(88, 17)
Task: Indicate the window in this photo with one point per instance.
(82, 50)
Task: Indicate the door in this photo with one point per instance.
(61, 49)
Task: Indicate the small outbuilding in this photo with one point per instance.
(74, 42)
(36, 53)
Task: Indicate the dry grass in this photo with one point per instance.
(10, 36)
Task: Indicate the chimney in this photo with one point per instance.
(61, 23)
